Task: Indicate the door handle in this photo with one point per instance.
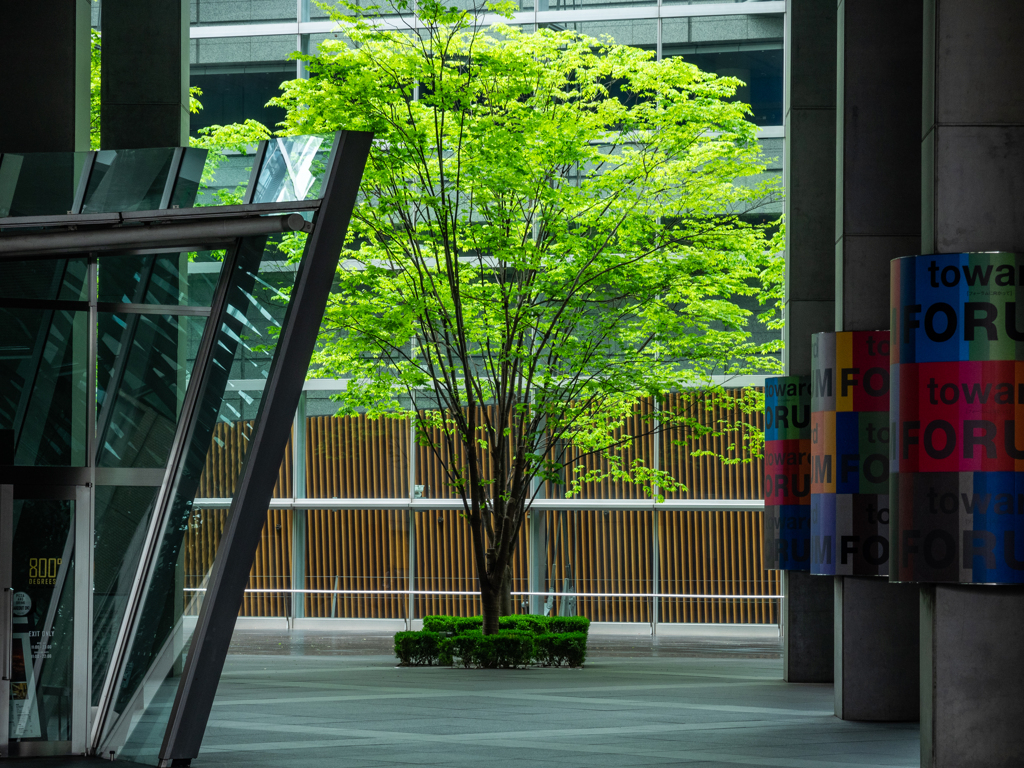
(9, 639)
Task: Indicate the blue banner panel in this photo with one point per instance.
(787, 473)
(850, 453)
(956, 423)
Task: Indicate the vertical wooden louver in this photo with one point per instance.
(595, 550)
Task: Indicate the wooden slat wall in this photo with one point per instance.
(700, 552)
(360, 549)
(271, 567)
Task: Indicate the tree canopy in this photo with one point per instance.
(549, 230)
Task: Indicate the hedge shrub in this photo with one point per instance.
(417, 648)
(538, 625)
(520, 641)
(569, 649)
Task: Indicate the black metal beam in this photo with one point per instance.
(241, 536)
(177, 236)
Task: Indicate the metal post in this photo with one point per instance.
(410, 523)
(81, 688)
(538, 552)
(298, 575)
(654, 521)
(6, 595)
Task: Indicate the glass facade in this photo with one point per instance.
(119, 373)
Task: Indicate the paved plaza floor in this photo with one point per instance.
(336, 699)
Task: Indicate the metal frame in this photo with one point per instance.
(754, 7)
(244, 527)
(6, 606)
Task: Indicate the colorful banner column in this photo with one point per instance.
(957, 455)
(850, 453)
(787, 472)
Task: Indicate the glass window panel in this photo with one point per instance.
(143, 367)
(45, 279)
(293, 169)
(234, 93)
(39, 184)
(122, 517)
(43, 639)
(760, 69)
(209, 12)
(127, 180)
(42, 384)
(169, 279)
(243, 50)
(225, 178)
(189, 177)
(164, 634)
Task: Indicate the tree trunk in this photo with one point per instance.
(492, 610)
(498, 603)
(505, 593)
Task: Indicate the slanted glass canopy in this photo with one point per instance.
(126, 311)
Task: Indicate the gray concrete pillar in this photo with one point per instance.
(45, 89)
(878, 203)
(972, 675)
(145, 74)
(809, 177)
(876, 650)
(807, 617)
(972, 184)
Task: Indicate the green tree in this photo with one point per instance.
(548, 232)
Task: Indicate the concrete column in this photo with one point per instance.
(878, 205)
(145, 74)
(807, 644)
(876, 650)
(45, 89)
(972, 184)
(809, 177)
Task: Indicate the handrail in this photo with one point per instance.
(477, 593)
(701, 505)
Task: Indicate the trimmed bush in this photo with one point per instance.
(417, 648)
(560, 625)
(508, 649)
(569, 649)
(450, 626)
(520, 641)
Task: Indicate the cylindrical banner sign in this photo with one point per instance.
(957, 387)
(787, 472)
(850, 453)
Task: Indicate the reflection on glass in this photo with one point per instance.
(45, 279)
(189, 177)
(143, 366)
(40, 183)
(43, 621)
(170, 279)
(144, 697)
(128, 180)
(122, 517)
(225, 178)
(42, 384)
(293, 169)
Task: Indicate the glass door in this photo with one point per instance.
(43, 617)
